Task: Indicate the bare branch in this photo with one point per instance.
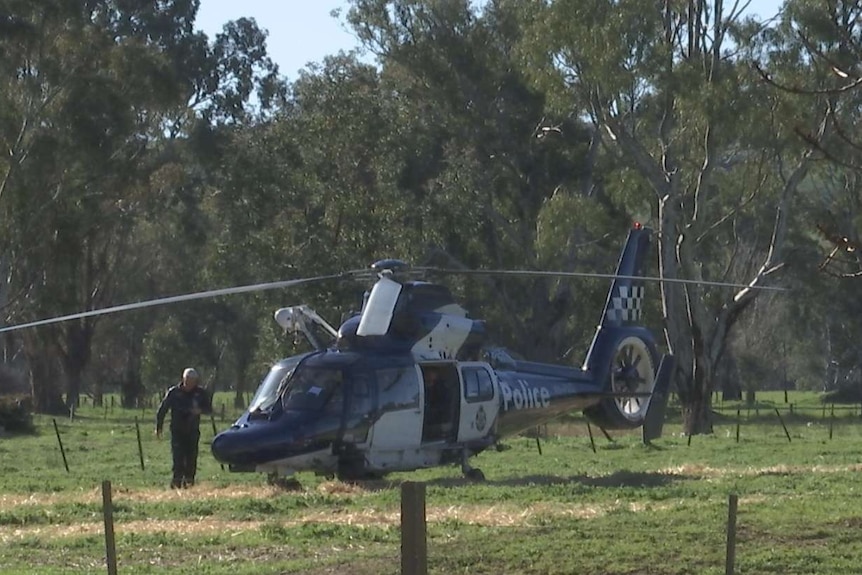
(767, 77)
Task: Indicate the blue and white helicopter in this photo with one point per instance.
(409, 381)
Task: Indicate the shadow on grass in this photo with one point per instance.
(616, 479)
(641, 479)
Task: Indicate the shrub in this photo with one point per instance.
(16, 414)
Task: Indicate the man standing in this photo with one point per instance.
(186, 402)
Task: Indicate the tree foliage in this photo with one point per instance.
(142, 158)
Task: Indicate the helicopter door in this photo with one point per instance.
(441, 402)
(479, 402)
(400, 423)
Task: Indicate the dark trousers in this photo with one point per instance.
(184, 448)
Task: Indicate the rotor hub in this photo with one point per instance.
(390, 267)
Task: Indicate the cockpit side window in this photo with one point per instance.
(477, 384)
(311, 388)
(398, 388)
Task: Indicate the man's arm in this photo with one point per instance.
(163, 410)
(206, 405)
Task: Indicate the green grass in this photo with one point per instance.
(625, 509)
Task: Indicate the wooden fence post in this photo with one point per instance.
(414, 544)
(737, 426)
(787, 433)
(108, 512)
(60, 441)
(730, 558)
(140, 447)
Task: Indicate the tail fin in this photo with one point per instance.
(623, 352)
(625, 298)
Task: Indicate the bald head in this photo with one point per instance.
(190, 377)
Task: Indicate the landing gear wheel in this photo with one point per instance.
(285, 483)
(469, 472)
(474, 474)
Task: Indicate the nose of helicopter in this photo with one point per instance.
(224, 446)
(250, 445)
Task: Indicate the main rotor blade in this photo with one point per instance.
(185, 297)
(536, 273)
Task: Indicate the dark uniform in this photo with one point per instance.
(186, 404)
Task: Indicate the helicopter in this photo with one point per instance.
(409, 382)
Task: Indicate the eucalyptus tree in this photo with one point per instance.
(824, 38)
(98, 100)
(708, 149)
(827, 35)
(77, 87)
(493, 183)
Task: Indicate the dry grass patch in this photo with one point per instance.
(202, 526)
(200, 492)
(705, 471)
(485, 515)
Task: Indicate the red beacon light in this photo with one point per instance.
(637, 225)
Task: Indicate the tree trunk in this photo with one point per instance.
(45, 384)
(131, 387)
(697, 414)
(77, 353)
(727, 374)
(73, 389)
(239, 398)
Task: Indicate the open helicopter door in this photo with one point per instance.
(399, 398)
(442, 392)
(479, 401)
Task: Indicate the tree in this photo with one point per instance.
(826, 34)
(494, 184)
(98, 103)
(672, 94)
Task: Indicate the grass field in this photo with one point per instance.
(626, 509)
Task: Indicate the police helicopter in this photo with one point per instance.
(410, 381)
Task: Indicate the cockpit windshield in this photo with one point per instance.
(268, 391)
(313, 389)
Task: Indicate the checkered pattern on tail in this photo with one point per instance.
(626, 304)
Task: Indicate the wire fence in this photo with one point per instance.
(744, 526)
(729, 527)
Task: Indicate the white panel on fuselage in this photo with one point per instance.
(400, 429)
(444, 340)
